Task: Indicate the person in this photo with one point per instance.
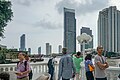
(22, 70)
(100, 65)
(66, 66)
(88, 65)
(4, 76)
(27, 58)
(51, 66)
(77, 59)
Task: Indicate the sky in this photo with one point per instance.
(42, 21)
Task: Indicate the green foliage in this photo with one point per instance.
(6, 15)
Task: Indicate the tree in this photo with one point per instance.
(6, 15)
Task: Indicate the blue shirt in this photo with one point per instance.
(66, 67)
(88, 62)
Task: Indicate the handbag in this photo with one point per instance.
(91, 68)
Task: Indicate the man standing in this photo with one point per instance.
(66, 66)
(100, 65)
(23, 68)
(51, 67)
(77, 59)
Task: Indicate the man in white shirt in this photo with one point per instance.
(100, 65)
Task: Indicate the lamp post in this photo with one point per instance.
(83, 39)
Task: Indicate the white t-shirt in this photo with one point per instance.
(99, 73)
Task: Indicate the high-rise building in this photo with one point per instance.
(69, 30)
(50, 48)
(39, 50)
(109, 29)
(22, 43)
(29, 51)
(89, 32)
(47, 48)
(60, 49)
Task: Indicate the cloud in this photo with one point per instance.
(47, 24)
(27, 3)
(23, 2)
(87, 6)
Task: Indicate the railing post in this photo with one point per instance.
(40, 68)
(46, 68)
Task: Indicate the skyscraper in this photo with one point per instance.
(29, 51)
(47, 48)
(69, 30)
(50, 48)
(60, 49)
(22, 43)
(109, 29)
(39, 50)
(89, 32)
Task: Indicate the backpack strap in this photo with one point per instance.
(17, 63)
(25, 63)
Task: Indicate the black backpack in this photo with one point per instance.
(50, 65)
(30, 74)
(25, 64)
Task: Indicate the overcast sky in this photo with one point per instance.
(42, 21)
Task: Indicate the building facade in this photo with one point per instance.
(22, 43)
(39, 50)
(89, 32)
(69, 30)
(50, 48)
(109, 29)
(29, 51)
(60, 49)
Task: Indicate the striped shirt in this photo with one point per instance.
(66, 67)
(21, 68)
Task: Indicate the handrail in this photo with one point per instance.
(39, 68)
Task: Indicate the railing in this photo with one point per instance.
(39, 68)
(111, 73)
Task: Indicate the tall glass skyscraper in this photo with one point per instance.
(22, 43)
(109, 29)
(89, 32)
(69, 30)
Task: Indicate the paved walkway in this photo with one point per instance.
(13, 76)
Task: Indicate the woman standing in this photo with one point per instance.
(89, 67)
